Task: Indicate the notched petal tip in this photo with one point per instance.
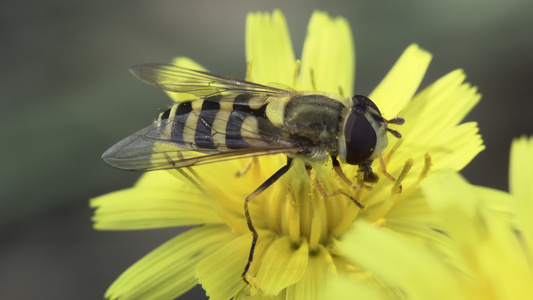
(402, 81)
(328, 57)
(268, 46)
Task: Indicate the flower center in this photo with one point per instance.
(318, 206)
(311, 206)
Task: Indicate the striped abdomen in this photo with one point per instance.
(209, 124)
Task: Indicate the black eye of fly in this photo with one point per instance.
(363, 102)
(360, 138)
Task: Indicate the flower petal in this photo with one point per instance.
(243, 295)
(221, 278)
(268, 49)
(445, 103)
(282, 266)
(520, 179)
(329, 55)
(398, 262)
(402, 81)
(344, 288)
(145, 208)
(168, 271)
(488, 242)
(431, 124)
(320, 268)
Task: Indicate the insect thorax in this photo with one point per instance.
(314, 121)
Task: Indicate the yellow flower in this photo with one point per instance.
(297, 226)
(491, 233)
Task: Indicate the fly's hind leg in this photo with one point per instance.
(254, 194)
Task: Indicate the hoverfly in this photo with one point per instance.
(232, 119)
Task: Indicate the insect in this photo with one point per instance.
(232, 119)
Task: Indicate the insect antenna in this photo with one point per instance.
(396, 121)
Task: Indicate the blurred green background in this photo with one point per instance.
(66, 95)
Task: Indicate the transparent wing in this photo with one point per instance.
(176, 143)
(203, 85)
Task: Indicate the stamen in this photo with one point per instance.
(292, 207)
(351, 211)
(246, 168)
(397, 188)
(341, 91)
(253, 287)
(308, 169)
(427, 166)
(295, 74)
(380, 223)
(312, 78)
(249, 71)
(361, 184)
(317, 208)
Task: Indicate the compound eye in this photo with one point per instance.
(360, 100)
(360, 138)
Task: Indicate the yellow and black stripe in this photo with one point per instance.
(212, 124)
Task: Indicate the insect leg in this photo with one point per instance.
(384, 169)
(337, 168)
(369, 175)
(254, 194)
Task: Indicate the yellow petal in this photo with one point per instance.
(398, 262)
(344, 288)
(431, 124)
(520, 183)
(441, 105)
(224, 175)
(328, 56)
(169, 270)
(455, 148)
(499, 202)
(188, 63)
(213, 180)
(319, 269)
(146, 208)
(243, 295)
(402, 81)
(282, 266)
(489, 244)
(413, 219)
(220, 273)
(269, 49)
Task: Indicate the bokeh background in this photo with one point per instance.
(66, 96)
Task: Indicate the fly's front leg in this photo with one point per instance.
(254, 194)
(368, 173)
(338, 170)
